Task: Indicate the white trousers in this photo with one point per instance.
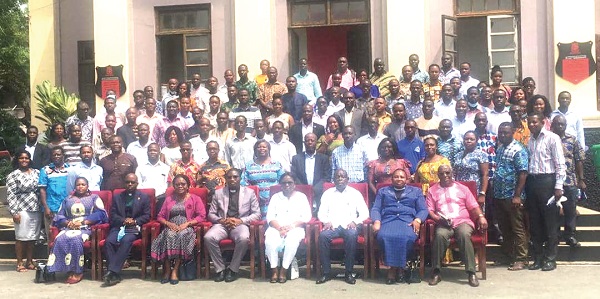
(291, 241)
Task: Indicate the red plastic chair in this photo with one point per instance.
(420, 243)
(478, 238)
(308, 191)
(229, 245)
(139, 245)
(156, 229)
(338, 243)
(88, 245)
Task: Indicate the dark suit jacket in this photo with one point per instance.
(295, 134)
(248, 206)
(322, 172)
(141, 209)
(41, 156)
(358, 121)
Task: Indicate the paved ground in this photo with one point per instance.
(579, 281)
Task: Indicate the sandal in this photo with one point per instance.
(282, 279)
(21, 268)
(273, 279)
(31, 266)
(75, 278)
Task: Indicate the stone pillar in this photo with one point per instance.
(254, 31)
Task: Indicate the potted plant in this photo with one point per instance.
(54, 104)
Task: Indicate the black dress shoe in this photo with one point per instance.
(536, 265)
(349, 278)
(549, 266)
(571, 241)
(325, 278)
(435, 279)
(473, 281)
(230, 276)
(106, 278)
(220, 276)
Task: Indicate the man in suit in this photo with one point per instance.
(232, 209)
(40, 154)
(129, 211)
(312, 168)
(352, 116)
(298, 131)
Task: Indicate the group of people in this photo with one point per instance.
(427, 128)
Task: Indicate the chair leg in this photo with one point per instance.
(261, 254)
(252, 260)
(206, 265)
(366, 261)
(154, 270)
(94, 247)
(483, 263)
(308, 257)
(422, 260)
(372, 257)
(100, 271)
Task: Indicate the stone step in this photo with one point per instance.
(7, 251)
(588, 252)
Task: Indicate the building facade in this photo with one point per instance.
(158, 39)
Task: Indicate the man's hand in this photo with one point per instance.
(48, 213)
(558, 193)
(481, 199)
(283, 230)
(516, 202)
(129, 222)
(327, 226)
(483, 225)
(351, 225)
(581, 184)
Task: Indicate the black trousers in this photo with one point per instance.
(570, 211)
(543, 219)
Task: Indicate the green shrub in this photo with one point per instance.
(54, 104)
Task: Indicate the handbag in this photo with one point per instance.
(411, 274)
(41, 272)
(188, 270)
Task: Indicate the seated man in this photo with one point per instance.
(342, 211)
(452, 206)
(232, 209)
(129, 211)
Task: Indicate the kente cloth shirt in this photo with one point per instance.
(86, 125)
(510, 160)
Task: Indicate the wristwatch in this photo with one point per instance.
(481, 193)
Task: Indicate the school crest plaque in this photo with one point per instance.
(110, 77)
(575, 61)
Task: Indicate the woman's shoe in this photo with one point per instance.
(282, 279)
(164, 280)
(174, 281)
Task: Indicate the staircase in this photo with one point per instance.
(588, 234)
(7, 237)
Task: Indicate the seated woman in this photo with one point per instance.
(288, 212)
(397, 213)
(263, 172)
(77, 213)
(179, 213)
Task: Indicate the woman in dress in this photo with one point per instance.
(517, 94)
(262, 172)
(24, 206)
(57, 135)
(380, 170)
(288, 213)
(397, 215)
(427, 169)
(540, 104)
(75, 217)
(171, 153)
(279, 115)
(333, 137)
(175, 244)
(471, 164)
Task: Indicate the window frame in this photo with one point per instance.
(185, 33)
(328, 14)
(457, 13)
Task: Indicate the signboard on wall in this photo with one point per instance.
(110, 78)
(575, 61)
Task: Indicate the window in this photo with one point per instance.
(502, 46)
(183, 42)
(305, 13)
(484, 6)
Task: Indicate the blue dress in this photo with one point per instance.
(263, 176)
(67, 253)
(396, 238)
(466, 166)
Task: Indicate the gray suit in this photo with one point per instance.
(358, 121)
(248, 211)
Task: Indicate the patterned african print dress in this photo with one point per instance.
(263, 176)
(67, 253)
(171, 244)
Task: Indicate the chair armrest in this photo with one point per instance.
(101, 230)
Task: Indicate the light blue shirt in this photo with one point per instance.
(309, 86)
(93, 174)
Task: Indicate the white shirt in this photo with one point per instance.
(30, 149)
(309, 167)
(305, 130)
(283, 152)
(341, 208)
(153, 176)
(495, 118)
(140, 152)
(199, 149)
(321, 120)
(370, 145)
(460, 127)
(332, 108)
(205, 98)
(188, 119)
(465, 85)
(444, 111)
(240, 151)
(288, 210)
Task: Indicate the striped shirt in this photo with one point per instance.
(546, 156)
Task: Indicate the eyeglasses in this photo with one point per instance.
(287, 183)
(130, 182)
